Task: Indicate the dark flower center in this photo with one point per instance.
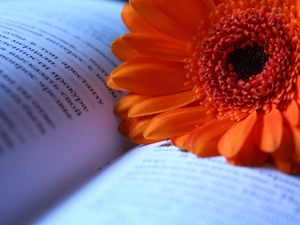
(249, 61)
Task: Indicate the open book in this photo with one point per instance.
(57, 126)
(58, 133)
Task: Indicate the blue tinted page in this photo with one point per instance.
(57, 125)
(159, 184)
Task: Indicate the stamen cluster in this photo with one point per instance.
(247, 60)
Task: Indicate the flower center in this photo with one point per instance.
(248, 61)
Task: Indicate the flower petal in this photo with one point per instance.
(180, 141)
(249, 154)
(161, 22)
(217, 2)
(292, 113)
(204, 140)
(153, 105)
(137, 125)
(135, 23)
(151, 77)
(124, 105)
(157, 46)
(124, 127)
(190, 16)
(296, 135)
(297, 94)
(123, 51)
(209, 4)
(269, 131)
(232, 141)
(286, 147)
(112, 84)
(297, 11)
(176, 122)
(286, 166)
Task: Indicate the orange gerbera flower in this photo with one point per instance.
(217, 77)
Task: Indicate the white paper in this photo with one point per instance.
(57, 125)
(158, 184)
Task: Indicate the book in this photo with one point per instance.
(57, 126)
(62, 160)
(160, 184)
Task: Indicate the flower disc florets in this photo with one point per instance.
(245, 60)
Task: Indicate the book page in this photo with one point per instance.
(159, 184)
(56, 113)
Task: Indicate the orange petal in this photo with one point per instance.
(124, 128)
(232, 141)
(268, 131)
(249, 154)
(123, 51)
(209, 4)
(297, 96)
(189, 15)
(112, 84)
(123, 106)
(296, 137)
(160, 21)
(217, 2)
(153, 105)
(180, 141)
(297, 11)
(135, 23)
(204, 140)
(286, 147)
(292, 113)
(236, 161)
(292, 2)
(137, 128)
(157, 46)
(287, 166)
(176, 122)
(151, 77)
